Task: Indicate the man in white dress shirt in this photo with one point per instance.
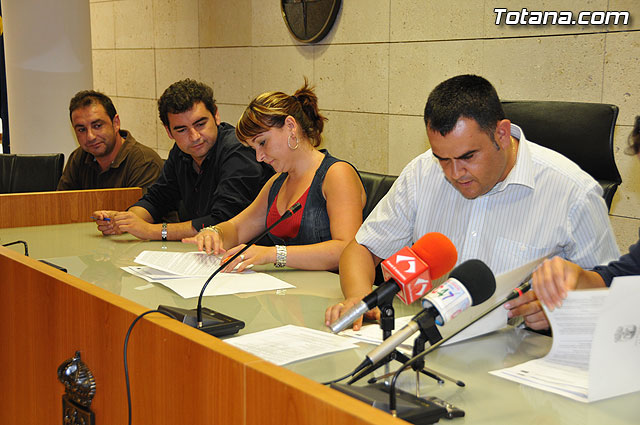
(497, 196)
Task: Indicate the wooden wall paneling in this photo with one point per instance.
(73, 206)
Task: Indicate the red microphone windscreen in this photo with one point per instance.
(438, 252)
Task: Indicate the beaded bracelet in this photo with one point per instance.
(281, 256)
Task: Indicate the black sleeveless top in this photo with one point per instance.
(315, 226)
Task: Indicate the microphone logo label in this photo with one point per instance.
(410, 273)
(450, 299)
(411, 268)
(403, 267)
(422, 286)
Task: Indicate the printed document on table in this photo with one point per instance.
(372, 333)
(614, 368)
(186, 272)
(180, 263)
(290, 343)
(596, 345)
(149, 273)
(564, 370)
(221, 284)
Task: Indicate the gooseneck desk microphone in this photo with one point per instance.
(210, 321)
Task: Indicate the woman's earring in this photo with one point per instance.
(289, 143)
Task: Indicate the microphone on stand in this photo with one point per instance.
(408, 273)
(469, 284)
(413, 409)
(215, 323)
(515, 293)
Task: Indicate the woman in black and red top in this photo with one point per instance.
(285, 132)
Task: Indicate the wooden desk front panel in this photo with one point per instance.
(280, 397)
(46, 315)
(73, 206)
(178, 375)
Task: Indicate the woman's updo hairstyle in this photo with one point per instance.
(270, 109)
(634, 138)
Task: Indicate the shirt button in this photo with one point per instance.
(474, 233)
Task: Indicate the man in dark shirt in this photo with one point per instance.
(208, 169)
(107, 156)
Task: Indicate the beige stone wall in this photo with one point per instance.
(373, 72)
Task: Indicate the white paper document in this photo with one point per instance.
(149, 273)
(372, 333)
(222, 284)
(186, 272)
(180, 263)
(290, 343)
(596, 345)
(497, 319)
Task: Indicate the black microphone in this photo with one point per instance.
(187, 316)
(515, 293)
(469, 284)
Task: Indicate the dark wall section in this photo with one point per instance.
(4, 110)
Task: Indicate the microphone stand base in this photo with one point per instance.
(410, 408)
(214, 323)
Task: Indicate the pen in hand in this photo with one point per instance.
(103, 219)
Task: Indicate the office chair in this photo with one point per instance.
(6, 168)
(583, 132)
(376, 186)
(30, 173)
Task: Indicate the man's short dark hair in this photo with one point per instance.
(464, 96)
(85, 98)
(180, 96)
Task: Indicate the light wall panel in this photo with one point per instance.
(376, 67)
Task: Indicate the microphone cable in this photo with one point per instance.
(340, 379)
(126, 343)
(288, 213)
(26, 248)
(26, 254)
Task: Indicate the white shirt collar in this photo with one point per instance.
(522, 171)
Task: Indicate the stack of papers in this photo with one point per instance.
(290, 343)
(180, 263)
(596, 345)
(186, 272)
